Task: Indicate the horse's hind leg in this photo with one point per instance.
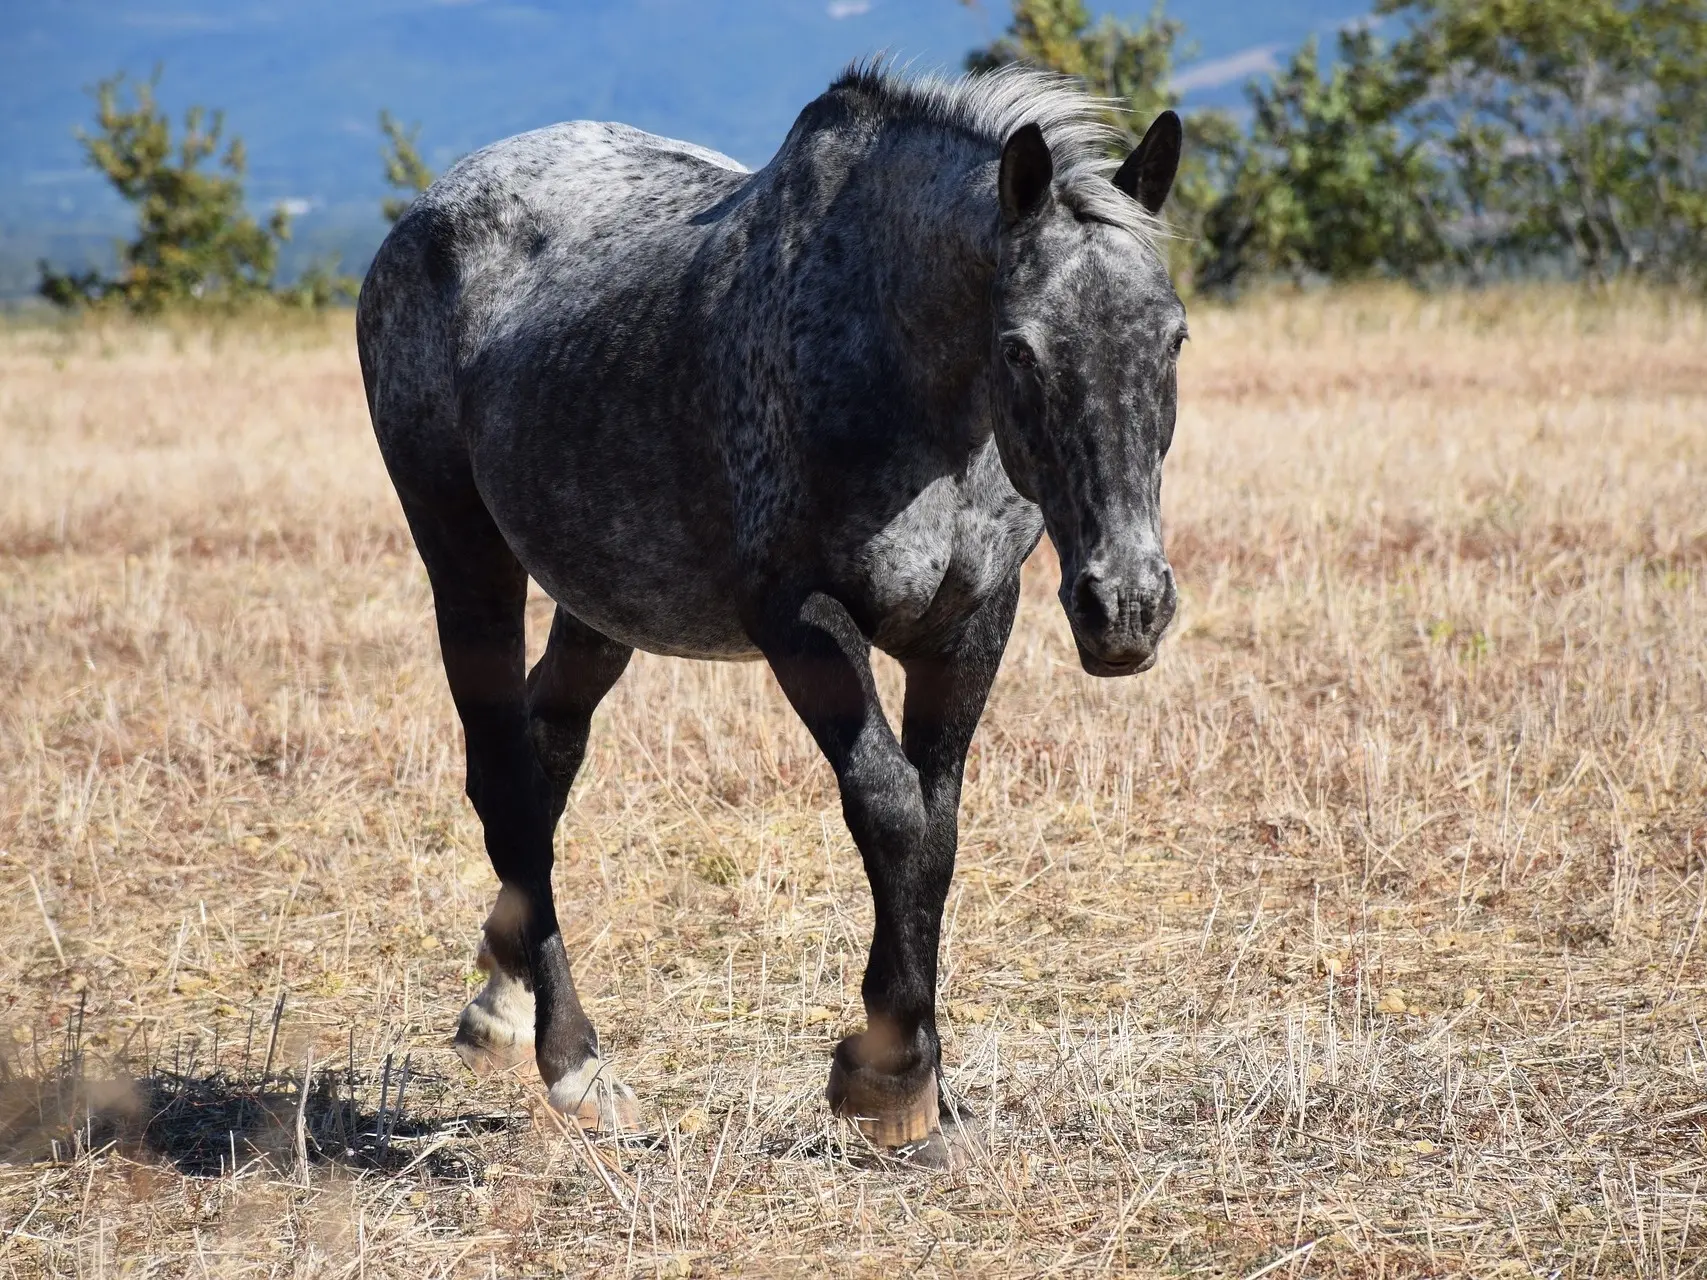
(479, 596)
(577, 669)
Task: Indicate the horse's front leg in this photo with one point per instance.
(899, 803)
(946, 692)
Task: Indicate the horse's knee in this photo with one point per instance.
(559, 744)
(882, 802)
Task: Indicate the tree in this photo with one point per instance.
(195, 242)
(1327, 181)
(404, 168)
(1512, 136)
(1129, 66)
(1132, 68)
(1574, 131)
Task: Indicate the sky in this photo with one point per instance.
(303, 81)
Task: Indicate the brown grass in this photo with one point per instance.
(1363, 937)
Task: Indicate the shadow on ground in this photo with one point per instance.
(208, 1125)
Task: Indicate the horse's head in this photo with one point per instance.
(1088, 330)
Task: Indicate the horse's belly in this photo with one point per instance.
(624, 528)
(678, 619)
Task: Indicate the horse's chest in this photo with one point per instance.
(934, 563)
(901, 569)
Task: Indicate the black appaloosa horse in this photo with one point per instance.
(788, 414)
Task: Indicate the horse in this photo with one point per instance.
(788, 414)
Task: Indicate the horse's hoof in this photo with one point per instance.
(596, 1099)
(895, 1112)
(487, 1059)
(494, 1033)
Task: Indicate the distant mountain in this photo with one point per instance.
(303, 82)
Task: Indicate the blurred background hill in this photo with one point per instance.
(303, 83)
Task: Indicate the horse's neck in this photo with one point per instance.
(944, 311)
(928, 239)
(899, 249)
(936, 225)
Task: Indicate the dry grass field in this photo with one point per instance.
(1363, 937)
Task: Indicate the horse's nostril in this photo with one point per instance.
(1158, 605)
(1089, 604)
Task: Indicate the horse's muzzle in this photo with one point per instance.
(1118, 613)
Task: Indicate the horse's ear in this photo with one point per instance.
(1027, 171)
(1148, 174)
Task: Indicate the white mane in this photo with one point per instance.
(992, 104)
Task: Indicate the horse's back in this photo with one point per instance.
(537, 250)
(580, 205)
(567, 187)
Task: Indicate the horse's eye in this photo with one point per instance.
(1018, 354)
(1179, 341)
